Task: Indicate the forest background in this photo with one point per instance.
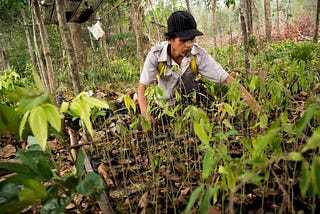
(236, 160)
(131, 28)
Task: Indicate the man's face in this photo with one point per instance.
(181, 48)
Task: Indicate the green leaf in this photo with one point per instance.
(91, 101)
(254, 83)
(223, 170)
(263, 141)
(250, 177)
(9, 118)
(80, 163)
(39, 126)
(296, 156)
(205, 200)
(53, 116)
(92, 186)
(307, 116)
(195, 194)
(201, 134)
(53, 206)
(305, 178)
(85, 115)
(38, 82)
(75, 108)
(313, 142)
(209, 163)
(129, 103)
(28, 103)
(145, 124)
(32, 191)
(8, 193)
(315, 173)
(227, 107)
(23, 123)
(33, 144)
(17, 167)
(64, 107)
(35, 163)
(263, 121)
(70, 181)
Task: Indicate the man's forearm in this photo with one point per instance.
(142, 100)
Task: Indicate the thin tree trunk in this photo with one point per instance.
(78, 45)
(256, 18)
(278, 17)
(68, 47)
(119, 18)
(316, 31)
(103, 41)
(214, 28)
(42, 72)
(2, 60)
(245, 36)
(26, 31)
(45, 45)
(157, 24)
(188, 5)
(249, 16)
(267, 17)
(136, 24)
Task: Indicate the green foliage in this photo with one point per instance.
(9, 80)
(80, 107)
(118, 70)
(130, 104)
(36, 177)
(33, 170)
(9, 119)
(303, 52)
(37, 109)
(122, 70)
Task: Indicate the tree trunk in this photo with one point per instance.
(157, 23)
(256, 18)
(45, 45)
(42, 72)
(26, 31)
(245, 36)
(188, 5)
(103, 40)
(267, 18)
(2, 60)
(316, 31)
(137, 26)
(67, 46)
(278, 17)
(249, 16)
(78, 45)
(214, 36)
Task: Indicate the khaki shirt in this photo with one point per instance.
(171, 80)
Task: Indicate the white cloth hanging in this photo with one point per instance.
(96, 30)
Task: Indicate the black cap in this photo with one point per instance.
(182, 24)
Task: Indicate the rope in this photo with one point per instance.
(53, 5)
(74, 12)
(97, 7)
(117, 5)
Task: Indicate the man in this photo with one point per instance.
(176, 55)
